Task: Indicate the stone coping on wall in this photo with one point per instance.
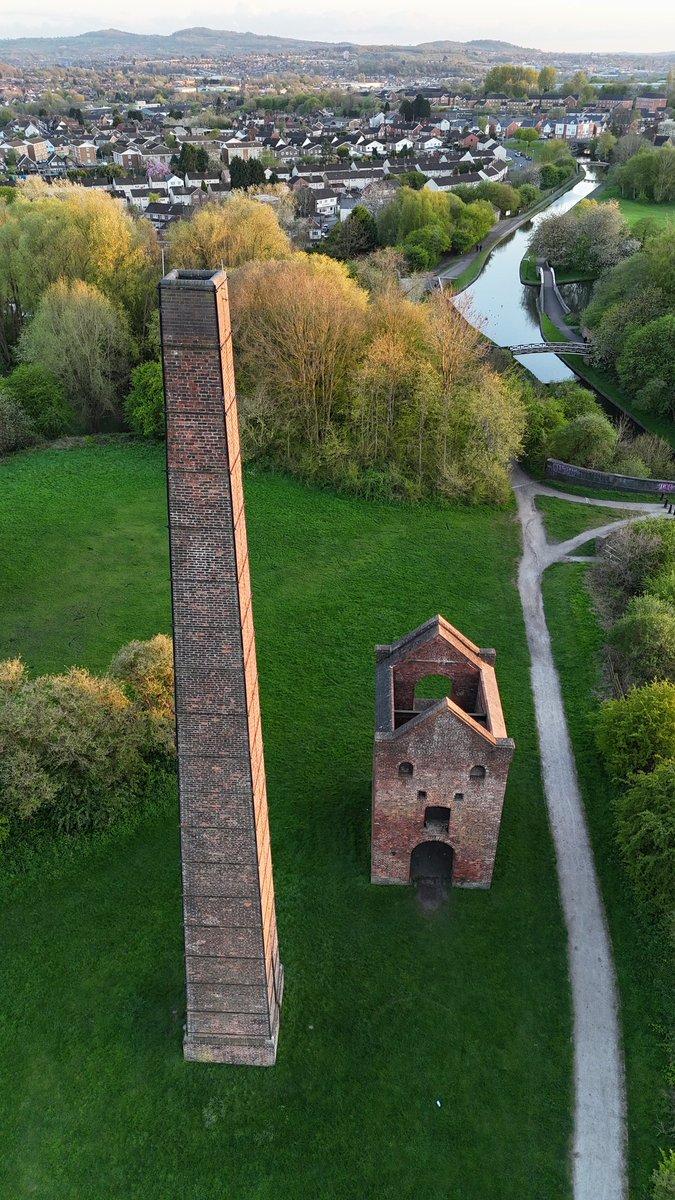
(567, 472)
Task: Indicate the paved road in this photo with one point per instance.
(552, 306)
(599, 1171)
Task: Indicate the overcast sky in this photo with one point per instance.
(576, 25)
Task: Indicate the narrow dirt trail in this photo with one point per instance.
(599, 1168)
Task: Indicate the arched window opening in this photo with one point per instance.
(477, 773)
(405, 770)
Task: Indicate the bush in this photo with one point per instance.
(636, 734)
(629, 557)
(529, 194)
(144, 406)
(646, 838)
(76, 753)
(587, 441)
(16, 428)
(643, 640)
(656, 453)
(663, 1177)
(42, 397)
(145, 670)
(576, 400)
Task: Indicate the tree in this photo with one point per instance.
(587, 441)
(406, 110)
(73, 233)
(81, 339)
(646, 837)
(547, 79)
(231, 233)
(649, 353)
(589, 236)
(192, 160)
(42, 397)
(298, 327)
(421, 108)
(526, 135)
(636, 734)
(144, 405)
(16, 428)
(643, 640)
(246, 173)
(357, 235)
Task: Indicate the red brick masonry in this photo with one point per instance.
(440, 766)
(234, 978)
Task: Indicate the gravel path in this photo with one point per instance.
(599, 1169)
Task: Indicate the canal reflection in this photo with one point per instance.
(505, 309)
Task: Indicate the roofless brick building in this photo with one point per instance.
(440, 765)
(234, 978)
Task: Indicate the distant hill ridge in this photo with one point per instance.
(111, 43)
(101, 44)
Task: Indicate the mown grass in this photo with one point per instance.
(563, 520)
(386, 1010)
(637, 210)
(530, 275)
(644, 969)
(600, 493)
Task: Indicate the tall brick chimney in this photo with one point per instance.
(234, 978)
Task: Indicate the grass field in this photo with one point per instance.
(644, 972)
(563, 520)
(530, 275)
(637, 210)
(386, 1010)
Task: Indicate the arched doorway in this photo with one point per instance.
(431, 862)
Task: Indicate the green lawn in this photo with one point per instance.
(600, 493)
(563, 520)
(386, 1010)
(637, 210)
(645, 974)
(530, 275)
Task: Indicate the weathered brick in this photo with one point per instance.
(234, 977)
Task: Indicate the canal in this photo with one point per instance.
(504, 308)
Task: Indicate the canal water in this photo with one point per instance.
(505, 309)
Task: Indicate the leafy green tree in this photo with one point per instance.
(144, 405)
(192, 160)
(42, 397)
(587, 441)
(81, 339)
(421, 108)
(646, 837)
(357, 235)
(406, 110)
(636, 734)
(643, 640)
(649, 353)
(547, 79)
(233, 233)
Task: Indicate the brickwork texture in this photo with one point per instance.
(450, 754)
(234, 977)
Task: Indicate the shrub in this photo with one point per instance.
(626, 462)
(654, 397)
(42, 397)
(576, 400)
(656, 453)
(144, 406)
(76, 753)
(587, 441)
(643, 640)
(636, 734)
(529, 194)
(629, 557)
(145, 670)
(646, 837)
(16, 428)
(663, 1177)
